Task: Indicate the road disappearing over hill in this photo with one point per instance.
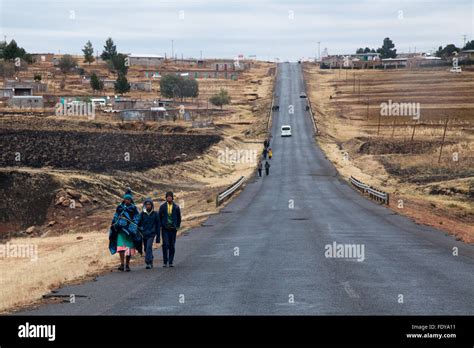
(268, 250)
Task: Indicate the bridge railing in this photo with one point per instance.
(229, 191)
(373, 193)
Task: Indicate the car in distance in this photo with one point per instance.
(302, 95)
(286, 131)
(455, 69)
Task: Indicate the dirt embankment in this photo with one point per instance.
(430, 181)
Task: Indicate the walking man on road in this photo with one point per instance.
(150, 225)
(270, 153)
(259, 168)
(170, 218)
(265, 152)
(267, 167)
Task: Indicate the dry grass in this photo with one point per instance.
(438, 194)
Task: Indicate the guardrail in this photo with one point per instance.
(270, 113)
(377, 195)
(229, 191)
(311, 113)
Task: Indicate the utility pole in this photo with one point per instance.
(359, 89)
(465, 39)
(319, 50)
(444, 136)
(368, 104)
(201, 54)
(172, 49)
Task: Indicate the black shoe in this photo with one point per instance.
(148, 266)
(171, 265)
(121, 268)
(165, 265)
(127, 268)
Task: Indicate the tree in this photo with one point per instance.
(118, 63)
(221, 98)
(88, 51)
(7, 69)
(12, 51)
(110, 50)
(66, 63)
(189, 88)
(447, 52)
(387, 50)
(469, 45)
(96, 83)
(170, 86)
(122, 86)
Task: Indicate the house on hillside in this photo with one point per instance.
(26, 101)
(146, 59)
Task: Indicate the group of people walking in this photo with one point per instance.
(267, 152)
(132, 231)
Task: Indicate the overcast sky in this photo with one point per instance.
(268, 29)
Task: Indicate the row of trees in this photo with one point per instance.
(388, 49)
(116, 62)
(449, 50)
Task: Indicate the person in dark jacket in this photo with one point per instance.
(267, 167)
(124, 234)
(264, 153)
(149, 224)
(259, 168)
(170, 219)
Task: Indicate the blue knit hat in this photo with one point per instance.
(128, 194)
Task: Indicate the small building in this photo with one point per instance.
(466, 55)
(7, 92)
(43, 57)
(394, 63)
(141, 86)
(146, 59)
(30, 101)
(148, 114)
(26, 87)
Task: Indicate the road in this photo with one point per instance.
(263, 256)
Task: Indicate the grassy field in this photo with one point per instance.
(402, 154)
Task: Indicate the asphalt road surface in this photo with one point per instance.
(280, 266)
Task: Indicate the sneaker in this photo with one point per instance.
(127, 268)
(148, 266)
(121, 268)
(165, 265)
(171, 265)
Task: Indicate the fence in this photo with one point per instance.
(377, 195)
(229, 191)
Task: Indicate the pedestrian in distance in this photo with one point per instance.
(270, 153)
(170, 219)
(264, 153)
(259, 168)
(124, 235)
(267, 168)
(149, 224)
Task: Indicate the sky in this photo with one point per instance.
(268, 29)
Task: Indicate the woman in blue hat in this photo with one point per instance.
(124, 234)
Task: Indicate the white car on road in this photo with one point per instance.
(286, 131)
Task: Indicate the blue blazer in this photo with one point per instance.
(175, 215)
